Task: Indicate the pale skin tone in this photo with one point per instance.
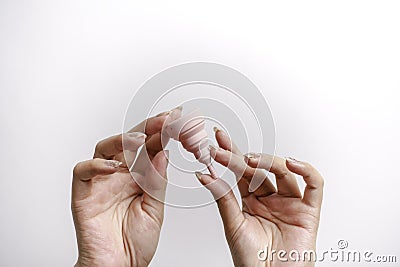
(282, 218)
(118, 223)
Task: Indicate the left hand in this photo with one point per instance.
(117, 222)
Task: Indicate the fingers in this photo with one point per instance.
(154, 125)
(314, 181)
(230, 160)
(285, 180)
(86, 171)
(154, 183)
(243, 184)
(228, 206)
(225, 142)
(132, 140)
(258, 182)
(152, 147)
(154, 144)
(151, 125)
(237, 165)
(157, 139)
(89, 169)
(114, 145)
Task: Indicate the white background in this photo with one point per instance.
(330, 71)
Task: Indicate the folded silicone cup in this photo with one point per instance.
(190, 131)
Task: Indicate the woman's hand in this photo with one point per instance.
(279, 219)
(117, 222)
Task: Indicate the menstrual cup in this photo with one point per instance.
(189, 130)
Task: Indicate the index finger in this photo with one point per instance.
(151, 125)
(313, 192)
(114, 145)
(155, 124)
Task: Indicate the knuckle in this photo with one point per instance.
(222, 157)
(236, 164)
(118, 140)
(93, 164)
(314, 175)
(309, 168)
(98, 146)
(283, 174)
(320, 181)
(76, 170)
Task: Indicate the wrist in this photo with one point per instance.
(96, 262)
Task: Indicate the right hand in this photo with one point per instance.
(281, 219)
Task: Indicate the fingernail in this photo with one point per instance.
(294, 161)
(165, 113)
(252, 155)
(137, 135)
(178, 108)
(216, 129)
(198, 175)
(113, 163)
(212, 148)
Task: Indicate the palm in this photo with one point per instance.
(117, 221)
(281, 223)
(116, 218)
(271, 219)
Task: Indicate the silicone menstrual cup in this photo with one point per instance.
(189, 130)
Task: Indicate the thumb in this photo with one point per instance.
(228, 206)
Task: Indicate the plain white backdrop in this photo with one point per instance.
(330, 71)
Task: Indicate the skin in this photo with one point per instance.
(282, 218)
(117, 222)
